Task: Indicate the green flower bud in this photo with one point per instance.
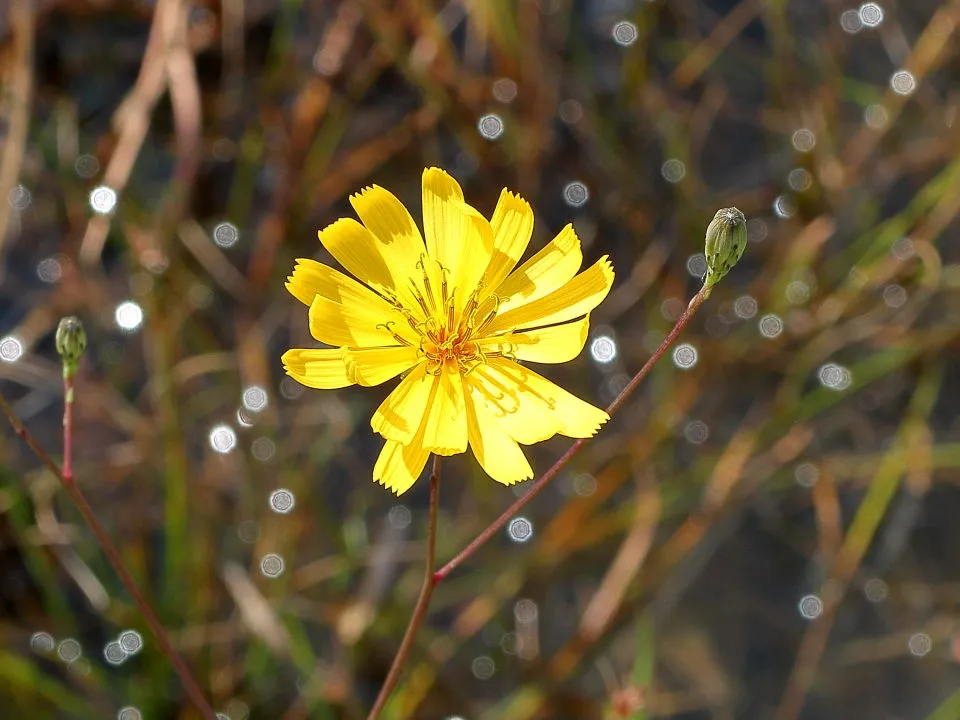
(71, 342)
(725, 243)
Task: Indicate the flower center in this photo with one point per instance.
(449, 331)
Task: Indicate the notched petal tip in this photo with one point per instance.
(365, 190)
(436, 172)
(297, 283)
(399, 466)
(293, 361)
(319, 368)
(600, 420)
(369, 197)
(446, 451)
(395, 489)
(442, 184)
(511, 202)
(575, 298)
(510, 482)
(607, 268)
(588, 424)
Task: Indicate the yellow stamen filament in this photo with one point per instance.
(448, 336)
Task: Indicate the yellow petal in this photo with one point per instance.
(388, 219)
(577, 297)
(498, 454)
(442, 197)
(512, 226)
(399, 239)
(356, 324)
(308, 279)
(445, 427)
(525, 394)
(399, 466)
(402, 413)
(458, 237)
(359, 252)
(311, 278)
(550, 268)
(318, 368)
(372, 366)
(554, 344)
(527, 423)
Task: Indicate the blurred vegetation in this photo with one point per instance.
(769, 533)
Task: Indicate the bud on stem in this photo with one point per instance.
(725, 242)
(71, 342)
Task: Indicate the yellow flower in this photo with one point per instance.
(454, 317)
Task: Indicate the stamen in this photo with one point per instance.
(388, 295)
(490, 315)
(468, 365)
(430, 327)
(466, 317)
(429, 288)
(549, 402)
(451, 314)
(412, 321)
(509, 350)
(492, 398)
(427, 311)
(387, 326)
(443, 283)
(505, 391)
(448, 334)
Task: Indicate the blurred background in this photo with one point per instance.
(766, 530)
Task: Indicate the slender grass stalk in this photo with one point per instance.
(71, 342)
(423, 602)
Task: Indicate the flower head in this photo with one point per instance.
(71, 341)
(454, 316)
(724, 244)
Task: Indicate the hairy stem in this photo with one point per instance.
(423, 602)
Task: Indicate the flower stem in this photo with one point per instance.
(423, 602)
(432, 579)
(542, 481)
(68, 427)
(65, 477)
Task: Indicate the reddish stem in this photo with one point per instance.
(542, 481)
(163, 641)
(432, 579)
(423, 602)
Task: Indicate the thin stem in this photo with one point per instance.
(432, 579)
(423, 602)
(67, 426)
(542, 481)
(163, 641)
